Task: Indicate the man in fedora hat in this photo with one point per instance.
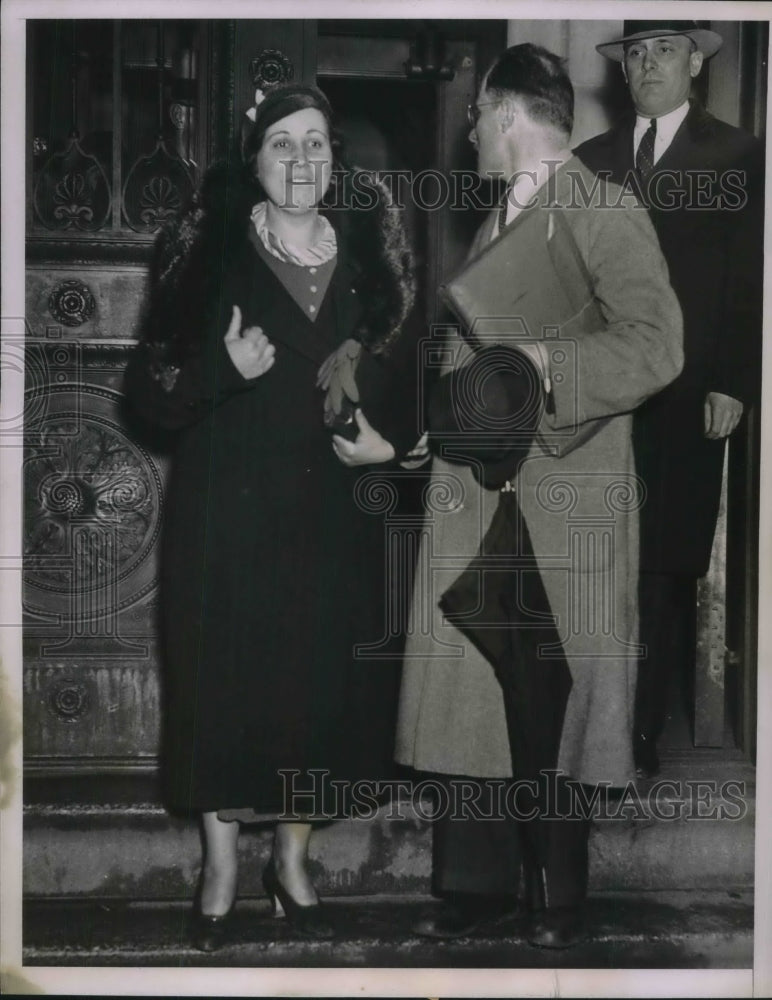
(520, 661)
(701, 180)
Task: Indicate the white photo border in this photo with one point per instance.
(323, 982)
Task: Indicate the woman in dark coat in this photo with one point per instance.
(273, 566)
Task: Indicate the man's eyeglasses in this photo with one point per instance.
(473, 111)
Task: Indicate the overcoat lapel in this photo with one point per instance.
(542, 223)
(484, 234)
(692, 133)
(347, 301)
(681, 149)
(692, 141)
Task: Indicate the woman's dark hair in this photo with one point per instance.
(537, 77)
(280, 101)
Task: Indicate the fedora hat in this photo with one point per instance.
(486, 412)
(708, 42)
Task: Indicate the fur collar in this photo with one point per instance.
(183, 286)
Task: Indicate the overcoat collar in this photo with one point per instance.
(378, 266)
(557, 190)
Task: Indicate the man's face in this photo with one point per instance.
(488, 136)
(659, 72)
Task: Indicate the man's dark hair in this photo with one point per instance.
(538, 78)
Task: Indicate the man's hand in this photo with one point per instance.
(370, 448)
(722, 415)
(251, 351)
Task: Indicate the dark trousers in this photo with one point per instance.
(668, 634)
(544, 861)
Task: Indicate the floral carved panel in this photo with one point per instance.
(93, 504)
(72, 192)
(156, 188)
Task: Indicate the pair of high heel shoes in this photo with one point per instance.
(211, 932)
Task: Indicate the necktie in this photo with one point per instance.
(644, 160)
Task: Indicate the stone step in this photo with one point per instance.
(692, 828)
(665, 930)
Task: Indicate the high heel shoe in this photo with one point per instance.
(211, 932)
(309, 920)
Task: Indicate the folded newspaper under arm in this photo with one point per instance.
(491, 289)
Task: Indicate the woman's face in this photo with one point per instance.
(295, 161)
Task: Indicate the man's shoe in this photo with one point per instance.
(461, 918)
(561, 927)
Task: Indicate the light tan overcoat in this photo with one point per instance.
(581, 509)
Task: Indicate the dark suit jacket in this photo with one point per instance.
(705, 198)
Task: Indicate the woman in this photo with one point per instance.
(272, 571)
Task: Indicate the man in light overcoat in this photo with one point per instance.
(573, 500)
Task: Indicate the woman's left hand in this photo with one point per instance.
(369, 448)
(418, 455)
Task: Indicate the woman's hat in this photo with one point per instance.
(708, 42)
(486, 412)
(276, 102)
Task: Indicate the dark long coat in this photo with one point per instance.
(272, 569)
(705, 199)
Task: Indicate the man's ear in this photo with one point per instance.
(695, 63)
(507, 111)
(624, 70)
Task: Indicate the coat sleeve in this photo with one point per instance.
(391, 389)
(737, 362)
(640, 349)
(170, 394)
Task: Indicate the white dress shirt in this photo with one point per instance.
(667, 126)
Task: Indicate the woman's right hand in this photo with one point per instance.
(251, 351)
